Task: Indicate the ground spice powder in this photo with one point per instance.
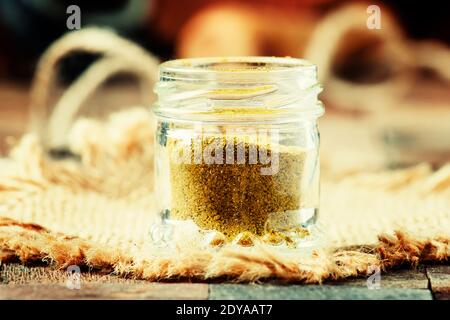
(235, 198)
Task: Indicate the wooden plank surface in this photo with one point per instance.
(439, 281)
(101, 291)
(314, 292)
(406, 279)
(40, 282)
(22, 282)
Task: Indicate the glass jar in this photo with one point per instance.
(237, 150)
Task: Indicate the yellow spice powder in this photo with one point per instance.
(234, 198)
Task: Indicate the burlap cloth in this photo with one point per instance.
(95, 209)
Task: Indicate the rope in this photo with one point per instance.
(119, 55)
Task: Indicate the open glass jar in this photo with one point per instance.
(237, 149)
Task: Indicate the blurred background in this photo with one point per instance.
(386, 87)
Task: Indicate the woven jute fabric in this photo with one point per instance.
(96, 209)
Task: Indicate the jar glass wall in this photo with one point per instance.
(237, 150)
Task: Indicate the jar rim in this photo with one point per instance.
(236, 67)
(237, 88)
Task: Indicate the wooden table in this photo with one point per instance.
(21, 282)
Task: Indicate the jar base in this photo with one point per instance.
(294, 230)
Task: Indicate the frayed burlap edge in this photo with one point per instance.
(31, 243)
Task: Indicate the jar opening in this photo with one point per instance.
(237, 88)
(236, 68)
